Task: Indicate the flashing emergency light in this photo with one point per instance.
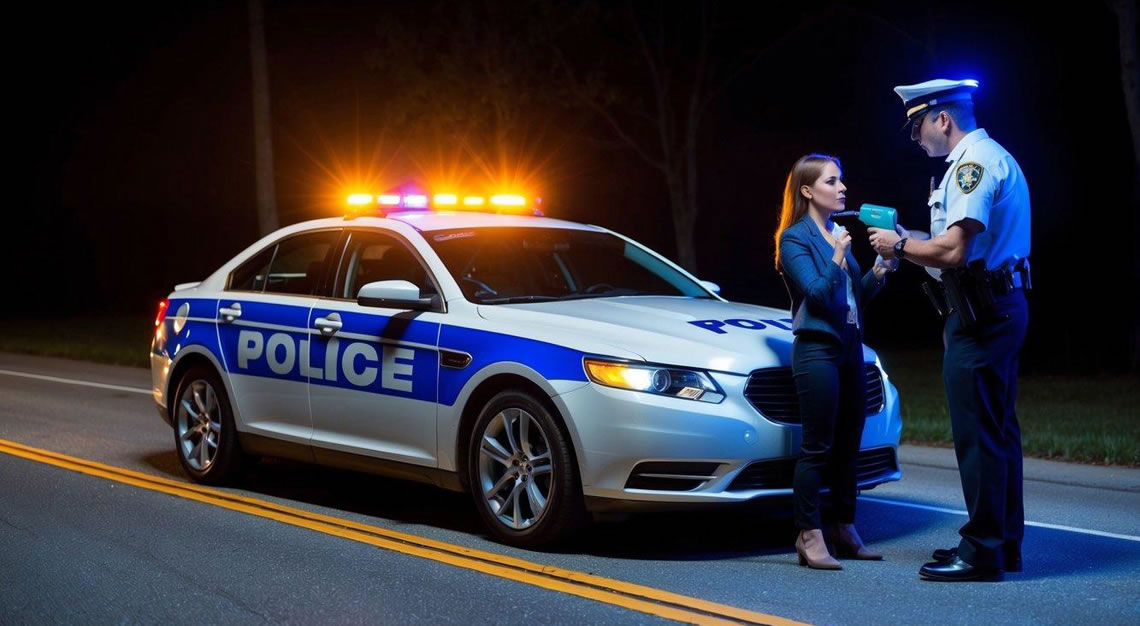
(508, 200)
(416, 201)
(358, 203)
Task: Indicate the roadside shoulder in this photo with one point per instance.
(1039, 470)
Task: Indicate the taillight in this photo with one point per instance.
(161, 312)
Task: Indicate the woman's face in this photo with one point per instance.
(827, 193)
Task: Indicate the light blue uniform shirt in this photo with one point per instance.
(986, 184)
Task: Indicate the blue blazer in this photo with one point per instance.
(815, 284)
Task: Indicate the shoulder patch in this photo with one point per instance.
(968, 176)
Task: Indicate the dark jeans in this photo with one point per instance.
(832, 389)
(980, 372)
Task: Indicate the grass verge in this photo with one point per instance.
(1087, 419)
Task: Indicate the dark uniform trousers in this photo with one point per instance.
(980, 372)
(832, 389)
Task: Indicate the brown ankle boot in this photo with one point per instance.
(813, 551)
(847, 543)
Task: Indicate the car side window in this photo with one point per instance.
(251, 275)
(372, 257)
(291, 266)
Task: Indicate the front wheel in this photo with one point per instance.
(522, 472)
(204, 432)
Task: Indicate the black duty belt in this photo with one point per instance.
(971, 291)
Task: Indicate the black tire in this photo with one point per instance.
(222, 461)
(563, 513)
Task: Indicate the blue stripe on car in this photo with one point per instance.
(551, 361)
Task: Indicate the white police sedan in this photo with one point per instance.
(547, 367)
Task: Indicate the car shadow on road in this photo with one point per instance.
(742, 531)
(397, 501)
(747, 530)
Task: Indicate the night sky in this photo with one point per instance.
(134, 154)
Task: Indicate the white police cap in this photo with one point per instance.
(919, 98)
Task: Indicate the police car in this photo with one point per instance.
(550, 368)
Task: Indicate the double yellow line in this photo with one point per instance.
(618, 593)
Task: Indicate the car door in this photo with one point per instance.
(263, 330)
(377, 396)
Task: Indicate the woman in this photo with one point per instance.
(823, 280)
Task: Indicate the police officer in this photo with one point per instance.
(978, 247)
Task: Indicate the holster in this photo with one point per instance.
(973, 290)
(956, 283)
(937, 295)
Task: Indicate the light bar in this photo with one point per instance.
(388, 202)
(508, 200)
(416, 201)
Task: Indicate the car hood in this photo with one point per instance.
(691, 332)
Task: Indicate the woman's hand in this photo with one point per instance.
(882, 266)
(842, 243)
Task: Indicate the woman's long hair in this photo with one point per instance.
(806, 171)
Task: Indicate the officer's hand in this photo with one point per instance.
(842, 243)
(902, 232)
(883, 241)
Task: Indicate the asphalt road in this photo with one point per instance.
(80, 548)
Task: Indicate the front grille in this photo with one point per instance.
(871, 465)
(875, 399)
(772, 391)
(671, 475)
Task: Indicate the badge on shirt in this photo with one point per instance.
(968, 176)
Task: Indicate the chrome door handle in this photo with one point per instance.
(328, 325)
(230, 314)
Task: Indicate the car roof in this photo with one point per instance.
(444, 220)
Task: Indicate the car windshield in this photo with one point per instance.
(512, 265)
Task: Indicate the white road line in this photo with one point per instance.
(71, 381)
(1072, 529)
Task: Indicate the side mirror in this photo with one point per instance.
(711, 286)
(393, 294)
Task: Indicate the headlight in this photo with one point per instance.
(662, 381)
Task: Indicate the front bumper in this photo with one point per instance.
(728, 452)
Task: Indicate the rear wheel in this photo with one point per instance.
(522, 472)
(204, 433)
